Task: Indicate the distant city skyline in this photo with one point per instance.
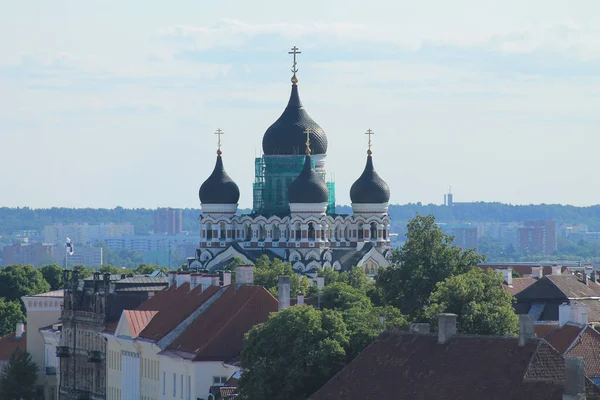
(106, 104)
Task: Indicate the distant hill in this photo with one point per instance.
(15, 219)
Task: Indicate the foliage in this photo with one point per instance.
(267, 273)
(234, 263)
(21, 280)
(292, 354)
(341, 296)
(18, 377)
(83, 271)
(482, 305)
(147, 269)
(10, 315)
(113, 270)
(427, 257)
(53, 274)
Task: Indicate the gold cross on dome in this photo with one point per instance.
(307, 131)
(219, 132)
(294, 52)
(369, 132)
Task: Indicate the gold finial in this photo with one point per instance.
(219, 132)
(369, 132)
(294, 69)
(307, 131)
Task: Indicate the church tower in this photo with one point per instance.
(283, 155)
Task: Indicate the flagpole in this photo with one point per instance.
(66, 257)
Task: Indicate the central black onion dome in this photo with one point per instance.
(308, 187)
(370, 188)
(287, 135)
(219, 188)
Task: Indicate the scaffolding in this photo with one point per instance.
(273, 176)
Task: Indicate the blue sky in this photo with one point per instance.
(106, 103)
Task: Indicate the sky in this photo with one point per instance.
(115, 103)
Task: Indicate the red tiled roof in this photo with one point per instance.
(8, 345)
(402, 365)
(174, 306)
(544, 330)
(218, 333)
(587, 345)
(562, 338)
(519, 284)
(138, 320)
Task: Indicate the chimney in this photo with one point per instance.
(537, 272)
(320, 282)
(215, 280)
(225, 278)
(585, 278)
(182, 277)
(526, 330)
(446, 327)
(172, 278)
(574, 379)
(507, 275)
(284, 292)
(20, 330)
(556, 270)
(593, 276)
(205, 281)
(194, 280)
(300, 301)
(244, 275)
(419, 327)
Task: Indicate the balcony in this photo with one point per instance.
(50, 370)
(95, 356)
(62, 351)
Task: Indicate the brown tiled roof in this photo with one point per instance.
(174, 305)
(562, 338)
(544, 330)
(573, 287)
(8, 345)
(519, 284)
(54, 293)
(587, 345)
(138, 320)
(218, 333)
(402, 365)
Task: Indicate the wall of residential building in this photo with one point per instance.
(51, 339)
(205, 372)
(177, 378)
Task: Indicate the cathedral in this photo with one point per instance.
(294, 217)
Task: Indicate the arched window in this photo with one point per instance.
(276, 232)
(373, 231)
(262, 232)
(248, 232)
(209, 231)
(223, 231)
(311, 231)
(298, 230)
(361, 231)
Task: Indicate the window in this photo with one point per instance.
(174, 385)
(219, 380)
(189, 396)
(181, 387)
(164, 382)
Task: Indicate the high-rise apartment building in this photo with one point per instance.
(538, 237)
(35, 254)
(168, 220)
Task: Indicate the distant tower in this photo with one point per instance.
(448, 201)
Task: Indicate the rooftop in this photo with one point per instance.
(8, 345)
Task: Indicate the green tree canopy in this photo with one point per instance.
(482, 305)
(292, 354)
(113, 270)
(427, 257)
(267, 273)
(53, 274)
(83, 271)
(10, 315)
(21, 280)
(147, 269)
(341, 296)
(18, 377)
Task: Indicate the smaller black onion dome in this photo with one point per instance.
(370, 188)
(308, 187)
(219, 188)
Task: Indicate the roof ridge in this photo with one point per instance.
(217, 333)
(576, 339)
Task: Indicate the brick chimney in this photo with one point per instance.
(194, 280)
(556, 270)
(594, 277)
(182, 277)
(537, 272)
(506, 275)
(284, 292)
(19, 330)
(446, 326)
(244, 275)
(574, 379)
(225, 278)
(300, 301)
(172, 278)
(526, 330)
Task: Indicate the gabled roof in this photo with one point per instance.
(218, 333)
(518, 285)
(8, 345)
(54, 293)
(403, 365)
(573, 287)
(574, 341)
(134, 321)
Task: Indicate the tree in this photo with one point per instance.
(292, 354)
(83, 271)
(10, 315)
(146, 269)
(482, 305)
(53, 274)
(113, 270)
(267, 273)
(341, 296)
(21, 280)
(18, 377)
(427, 257)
